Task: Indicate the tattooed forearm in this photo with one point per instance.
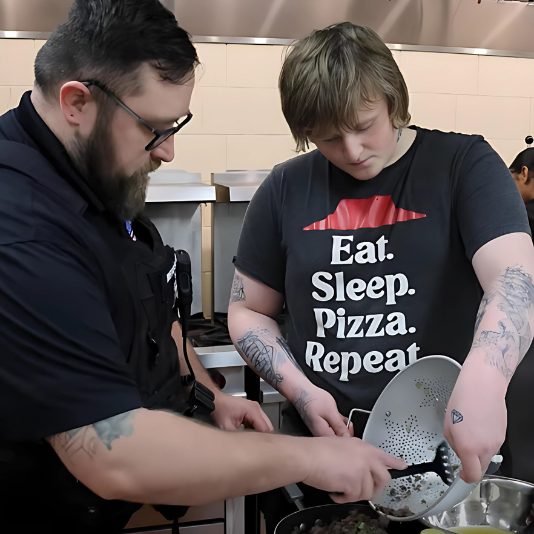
(267, 353)
(87, 438)
(302, 403)
(262, 355)
(481, 311)
(506, 344)
(238, 290)
(285, 347)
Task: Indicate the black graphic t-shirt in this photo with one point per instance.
(377, 274)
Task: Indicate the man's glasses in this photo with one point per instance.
(160, 135)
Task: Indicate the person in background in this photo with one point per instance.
(95, 415)
(386, 244)
(522, 170)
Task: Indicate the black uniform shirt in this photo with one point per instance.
(62, 363)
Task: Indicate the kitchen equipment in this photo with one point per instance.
(440, 465)
(498, 502)
(407, 422)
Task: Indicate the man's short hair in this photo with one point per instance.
(109, 40)
(330, 75)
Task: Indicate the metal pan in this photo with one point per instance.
(304, 520)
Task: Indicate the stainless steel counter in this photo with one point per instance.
(216, 357)
(231, 365)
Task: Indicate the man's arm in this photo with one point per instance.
(257, 337)
(162, 458)
(230, 412)
(476, 418)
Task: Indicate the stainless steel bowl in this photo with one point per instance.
(498, 502)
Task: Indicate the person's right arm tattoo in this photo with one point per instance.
(302, 403)
(266, 353)
(87, 438)
(238, 289)
(507, 342)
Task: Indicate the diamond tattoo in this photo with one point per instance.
(457, 417)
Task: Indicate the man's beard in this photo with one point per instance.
(123, 195)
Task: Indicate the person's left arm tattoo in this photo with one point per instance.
(506, 340)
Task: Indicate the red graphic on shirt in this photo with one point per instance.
(373, 212)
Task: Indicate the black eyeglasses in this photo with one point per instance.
(160, 135)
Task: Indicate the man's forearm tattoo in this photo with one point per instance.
(84, 439)
(302, 403)
(263, 356)
(506, 346)
(238, 289)
(285, 347)
(114, 428)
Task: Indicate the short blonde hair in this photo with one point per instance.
(330, 75)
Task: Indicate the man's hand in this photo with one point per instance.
(475, 422)
(232, 412)
(349, 469)
(319, 412)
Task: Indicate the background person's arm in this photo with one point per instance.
(256, 335)
(161, 458)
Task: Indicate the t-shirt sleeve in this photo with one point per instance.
(488, 203)
(260, 253)
(61, 365)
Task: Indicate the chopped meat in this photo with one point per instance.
(354, 523)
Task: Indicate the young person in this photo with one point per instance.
(386, 244)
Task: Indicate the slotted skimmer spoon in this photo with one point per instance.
(441, 465)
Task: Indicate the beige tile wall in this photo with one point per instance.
(491, 96)
(238, 123)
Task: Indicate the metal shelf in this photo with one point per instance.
(180, 193)
(169, 185)
(231, 192)
(238, 186)
(221, 356)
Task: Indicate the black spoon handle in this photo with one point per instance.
(417, 469)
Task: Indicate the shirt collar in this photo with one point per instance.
(53, 149)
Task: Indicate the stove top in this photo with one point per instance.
(214, 333)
